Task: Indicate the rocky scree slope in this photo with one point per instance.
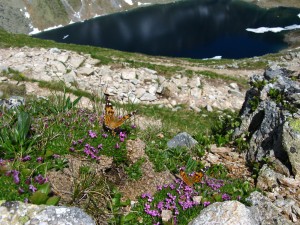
(21, 16)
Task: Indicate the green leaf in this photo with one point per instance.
(26, 172)
(23, 126)
(45, 188)
(38, 198)
(53, 200)
(128, 218)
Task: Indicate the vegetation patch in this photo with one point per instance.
(38, 139)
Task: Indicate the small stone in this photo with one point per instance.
(234, 86)
(2, 79)
(209, 108)
(55, 51)
(197, 199)
(195, 108)
(166, 215)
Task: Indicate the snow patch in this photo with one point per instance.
(129, 2)
(215, 57)
(261, 30)
(143, 4)
(27, 15)
(36, 30)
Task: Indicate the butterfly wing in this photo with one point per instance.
(185, 178)
(197, 177)
(191, 180)
(111, 122)
(109, 114)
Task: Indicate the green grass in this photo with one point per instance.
(58, 131)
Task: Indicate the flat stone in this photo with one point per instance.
(152, 89)
(76, 61)
(128, 75)
(148, 97)
(62, 58)
(57, 66)
(85, 71)
(140, 92)
(70, 77)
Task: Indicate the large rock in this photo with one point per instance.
(264, 211)
(291, 145)
(225, 213)
(270, 102)
(19, 213)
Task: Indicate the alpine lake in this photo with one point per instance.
(189, 28)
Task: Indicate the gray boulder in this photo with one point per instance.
(272, 100)
(19, 213)
(225, 213)
(264, 211)
(182, 140)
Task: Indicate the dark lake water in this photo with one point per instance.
(191, 28)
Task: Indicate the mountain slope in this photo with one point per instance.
(22, 16)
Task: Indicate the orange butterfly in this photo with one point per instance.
(191, 180)
(110, 121)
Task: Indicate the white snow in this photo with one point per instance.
(215, 57)
(27, 15)
(142, 4)
(36, 30)
(261, 30)
(129, 2)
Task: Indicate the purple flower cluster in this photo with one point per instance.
(15, 174)
(26, 158)
(122, 136)
(186, 198)
(92, 134)
(214, 184)
(40, 179)
(91, 151)
(205, 204)
(147, 208)
(40, 159)
(226, 197)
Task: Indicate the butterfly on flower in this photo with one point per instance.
(190, 180)
(110, 121)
